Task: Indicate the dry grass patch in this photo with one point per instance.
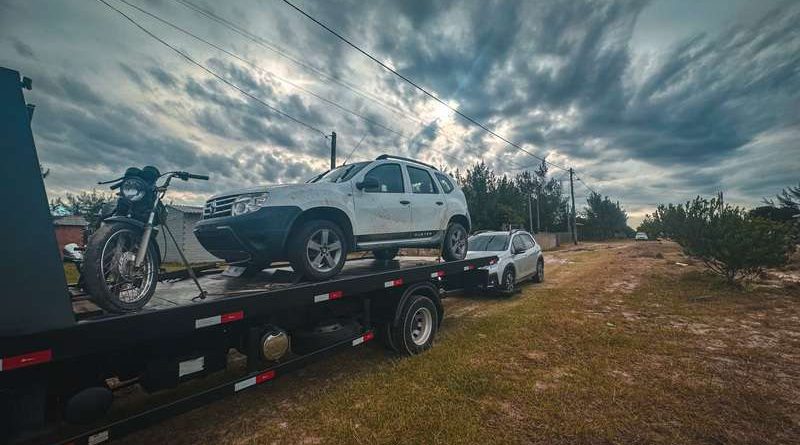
(576, 360)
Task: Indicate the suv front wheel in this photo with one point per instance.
(318, 250)
(455, 243)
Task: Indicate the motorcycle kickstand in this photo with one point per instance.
(203, 294)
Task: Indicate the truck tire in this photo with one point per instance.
(454, 247)
(385, 335)
(385, 254)
(318, 249)
(417, 325)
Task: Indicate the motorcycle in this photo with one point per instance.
(121, 261)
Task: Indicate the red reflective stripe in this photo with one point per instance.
(29, 359)
(369, 336)
(393, 283)
(263, 377)
(335, 295)
(469, 267)
(438, 273)
(233, 316)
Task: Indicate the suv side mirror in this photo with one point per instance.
(368, 183)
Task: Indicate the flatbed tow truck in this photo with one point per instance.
(60, 364)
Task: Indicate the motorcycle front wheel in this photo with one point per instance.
(112, 280)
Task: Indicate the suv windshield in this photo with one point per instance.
(488, 243)
(340, 174)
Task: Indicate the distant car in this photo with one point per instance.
(377, 206)
(641, 236)
(519, 257)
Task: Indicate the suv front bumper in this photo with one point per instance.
(258, 236)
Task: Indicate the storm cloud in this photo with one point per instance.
(650, 101)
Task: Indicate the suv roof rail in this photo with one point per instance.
(387, 156)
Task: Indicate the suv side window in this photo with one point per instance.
(444, 181)
(519, 244)
(529, 243)
(421, 181)
(389, 177)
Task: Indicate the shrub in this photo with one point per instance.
(728, 240)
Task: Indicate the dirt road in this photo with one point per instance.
(619, 345)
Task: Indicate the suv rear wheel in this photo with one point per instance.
(318, 249)
(455, 243)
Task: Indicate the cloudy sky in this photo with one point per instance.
(650, 101)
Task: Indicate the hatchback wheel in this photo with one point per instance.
(509, 280)
(539, 272)
(318, 250)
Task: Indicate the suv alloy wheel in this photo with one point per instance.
(318, 250)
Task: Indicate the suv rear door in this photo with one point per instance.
(382, 213)
(428, 206)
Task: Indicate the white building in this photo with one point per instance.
(181, 220)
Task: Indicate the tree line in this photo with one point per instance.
(499, 201)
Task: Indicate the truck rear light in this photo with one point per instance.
(23, 360)
(393, 283)
(335, 295)
(260, 378)
(369, 335)
(218, 319)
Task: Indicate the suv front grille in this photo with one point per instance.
(218, 207)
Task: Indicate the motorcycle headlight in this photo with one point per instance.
(133, 189)
(249, 203)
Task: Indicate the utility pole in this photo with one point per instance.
(572, 195)
(530, 210)
(333, 150)
(538, 195)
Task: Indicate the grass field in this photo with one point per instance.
(619, 345)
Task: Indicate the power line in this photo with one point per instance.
(280, 51)
(213, 73)
(587, 186)
(231, 54)
(415, 85)
(283, 53)
(254, 65)
(354, 149)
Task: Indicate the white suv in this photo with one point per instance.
(379, 205)
(519, 257)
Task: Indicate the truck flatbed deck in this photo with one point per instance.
(179, 290)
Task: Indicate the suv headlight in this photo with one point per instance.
(133, 189)
(249, 203)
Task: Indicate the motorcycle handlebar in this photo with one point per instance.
(186, 176)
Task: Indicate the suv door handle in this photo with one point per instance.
(404, 202)
(439, 203)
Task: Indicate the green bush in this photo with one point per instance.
(728, 240)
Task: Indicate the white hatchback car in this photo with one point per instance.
(379, 205)
(519, 257)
